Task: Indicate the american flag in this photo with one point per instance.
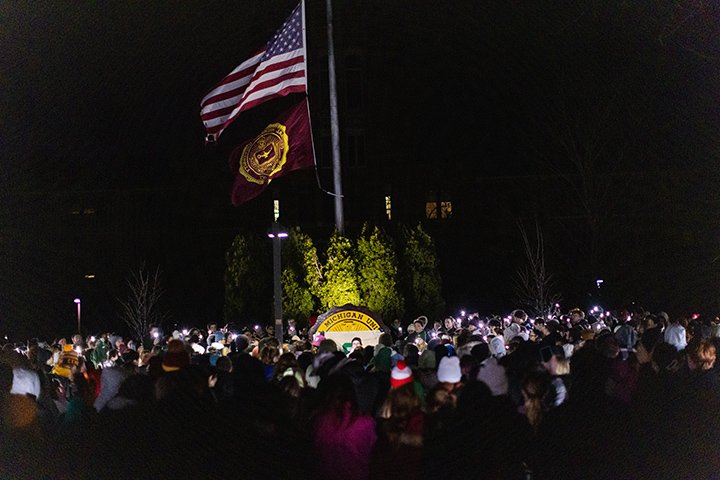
(279, 69)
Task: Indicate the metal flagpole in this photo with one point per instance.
(334, 126)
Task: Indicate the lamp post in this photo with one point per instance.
(77, 302)
(277, 233)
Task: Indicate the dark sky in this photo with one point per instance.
(103, 97)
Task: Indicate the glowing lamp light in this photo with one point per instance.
(599, 282)
(185, 332)
(156, 334)
(282, 235)
(695, 316)
(77, 300)
(462, 313)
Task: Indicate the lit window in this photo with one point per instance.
(435, 210)
(431, 210)
(445, 209)
(276, 209)
(388, 207)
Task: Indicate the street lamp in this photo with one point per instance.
(277, 233)
(77, 302)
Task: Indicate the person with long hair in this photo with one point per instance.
(343, 437)
(401, 427)
(536, 392)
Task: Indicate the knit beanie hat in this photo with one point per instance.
(449, 370)
(626, 336)
(400, 375)
(427, 360)
(176, 357)
(497, 347)
(511, 332)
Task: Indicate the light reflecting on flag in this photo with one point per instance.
(278, 70)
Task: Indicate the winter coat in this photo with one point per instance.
(344, 445)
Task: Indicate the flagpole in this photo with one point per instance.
(334, 125)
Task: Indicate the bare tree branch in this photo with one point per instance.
(142, 306)
(533, 284)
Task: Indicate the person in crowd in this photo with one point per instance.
(577, 318)
(558, 367)
(608, 400)
(449, 326)
(67, 363)
(419, 331)
(112, 359)
(343, 438)
(537, 397)
(402, 425)
(675, 334)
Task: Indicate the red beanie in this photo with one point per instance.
(401, 375)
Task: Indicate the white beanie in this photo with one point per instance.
(449, 370)
(493, 375)
(513, 331)
(497, 347)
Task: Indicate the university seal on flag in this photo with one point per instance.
(265, 155)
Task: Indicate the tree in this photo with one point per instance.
(248, 291)
(419, 276)
(534, 285)
(142, 306)
(377, 274)
(340, 285)
(301, 275)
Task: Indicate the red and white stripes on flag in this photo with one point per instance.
(278, 70)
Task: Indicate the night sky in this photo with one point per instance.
(99, 107)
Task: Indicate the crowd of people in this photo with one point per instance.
(578, 396)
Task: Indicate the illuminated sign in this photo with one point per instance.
(348, 321)
(342, 324)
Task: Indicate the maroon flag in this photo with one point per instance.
(277, 70)
(284, 145)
